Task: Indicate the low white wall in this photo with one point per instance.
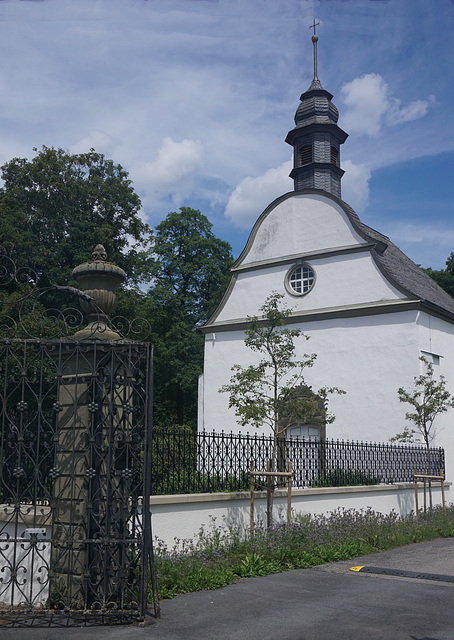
(24, 549)
(179, 517)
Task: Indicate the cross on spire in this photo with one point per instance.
(312, 26)
(315, 40)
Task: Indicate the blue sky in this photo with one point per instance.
(195, 97)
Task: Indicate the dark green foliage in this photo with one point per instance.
(224, 554)
(174, 458)
(346, 478)
(444, 277)
(178, 482)
(174, 466)
(56, 207)
(190, 273)
(191, 266)
(254, 564)
(21, 314)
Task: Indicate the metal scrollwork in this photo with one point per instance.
(11, 274)
(48, 313)
(75, 527)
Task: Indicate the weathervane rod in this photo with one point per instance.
(314, 41)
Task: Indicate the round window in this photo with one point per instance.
(300, 280)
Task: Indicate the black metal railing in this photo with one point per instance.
(75, 425)
(188, 462)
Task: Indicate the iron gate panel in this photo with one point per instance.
(75, 529)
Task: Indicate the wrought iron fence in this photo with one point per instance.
(75, 433)
(75, 529)
(188, 462)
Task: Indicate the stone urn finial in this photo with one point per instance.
(100, 280)
(99, 253)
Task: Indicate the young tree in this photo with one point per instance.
(269, 393)
(56, 207)
(190, 273)
(264, 393)
(428, 399)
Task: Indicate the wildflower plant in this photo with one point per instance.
(222, 554)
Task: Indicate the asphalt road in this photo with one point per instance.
(329, 602)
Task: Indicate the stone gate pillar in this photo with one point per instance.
(92, 408)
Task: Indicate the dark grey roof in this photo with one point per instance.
(398, 268)
(316, 108)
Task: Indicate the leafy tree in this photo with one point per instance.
(56, 207)
(268, 393)
(274, 391)
(444, 277)
(190, 272)
(428, 399)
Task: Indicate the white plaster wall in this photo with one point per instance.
(340, 281)
(437, 337)
(30, 560)
(368, 357)
(176, 518)
(179, 517)
(300, 224)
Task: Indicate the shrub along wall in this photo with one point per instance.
(207, 462)
(182, 516)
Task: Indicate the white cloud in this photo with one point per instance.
(411, 232)
(98, 140)
(366, 100)
(355, 185)
(426, 244)
(252, 195)
(172, 171)
(415, 110)
(218, 78)
(369, 106)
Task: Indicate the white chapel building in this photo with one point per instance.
(369, 310)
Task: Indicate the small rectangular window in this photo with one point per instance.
(433, 358)
(334, 155)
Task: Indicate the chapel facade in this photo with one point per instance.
(369, 310)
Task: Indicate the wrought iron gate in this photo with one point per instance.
(75, 526)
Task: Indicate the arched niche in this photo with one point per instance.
(311, 428)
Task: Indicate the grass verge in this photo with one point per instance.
(221, 555)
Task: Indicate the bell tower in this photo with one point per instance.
(316, 138)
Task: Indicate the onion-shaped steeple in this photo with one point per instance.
(316, 139)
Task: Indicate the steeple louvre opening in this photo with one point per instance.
(316, 140)
(306, 154)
